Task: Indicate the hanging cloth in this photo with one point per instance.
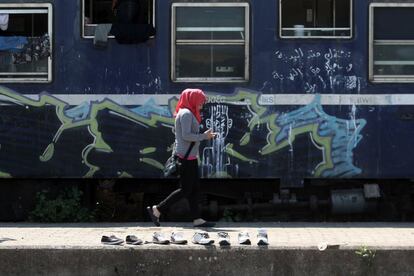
(4, 21)
(12, 43)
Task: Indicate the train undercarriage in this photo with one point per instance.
(239, 200)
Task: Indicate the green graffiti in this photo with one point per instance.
(5, 175)
(125, 175)
(322, 142)
(48, 153)
(68, 123)
(148, 150)
(92, 168)
(230, 151)
(152, 162)
(260, 115)
(245, 139)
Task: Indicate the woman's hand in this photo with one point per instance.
(210, 134)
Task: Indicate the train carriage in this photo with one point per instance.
(299, 90)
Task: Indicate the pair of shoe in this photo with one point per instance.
(262, 239)
(114, 240)
(202, 238)
(175, 238)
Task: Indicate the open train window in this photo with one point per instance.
(315, 18)
(391, 42)
(100, 12)
(210, 42)
(25, 43)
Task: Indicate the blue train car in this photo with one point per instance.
(298, 89)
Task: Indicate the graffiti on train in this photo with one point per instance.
(312, 71)
(49, 137)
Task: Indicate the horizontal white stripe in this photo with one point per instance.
(266, 99)
(394, 62)
(20, 11)
(316, 29)
(335, 99)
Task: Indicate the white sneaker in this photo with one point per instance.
(178, 238)
(244, 238)
(262, 237)
(224, 238)
(160, 238)
(202, 238)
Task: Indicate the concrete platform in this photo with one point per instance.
(75, 249)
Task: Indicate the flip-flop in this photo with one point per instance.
(154, 218)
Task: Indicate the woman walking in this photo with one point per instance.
(187, 141)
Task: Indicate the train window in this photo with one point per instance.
(315, 18)
(391, 55)
(25, 42)
(101, 12)
(210, 42)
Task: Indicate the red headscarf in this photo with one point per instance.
(191, 99)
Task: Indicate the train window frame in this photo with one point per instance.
(375, 78)
(33, 8)
(93, 25)
(208, 42)
(302, 29)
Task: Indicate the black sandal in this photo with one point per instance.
(154, 218)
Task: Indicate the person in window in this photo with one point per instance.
(131, 21)
(130, 11)
(187, 124)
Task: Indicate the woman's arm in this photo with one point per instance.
(186, 121)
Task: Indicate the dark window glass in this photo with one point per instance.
(316, 17)
(29, 25)
(210, 43)
(214, 61)
(402, 26)
(210, 23)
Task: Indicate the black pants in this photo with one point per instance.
(189, 188)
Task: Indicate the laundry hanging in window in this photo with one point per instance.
(4, 21)
(36, 48)
(12, 43)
